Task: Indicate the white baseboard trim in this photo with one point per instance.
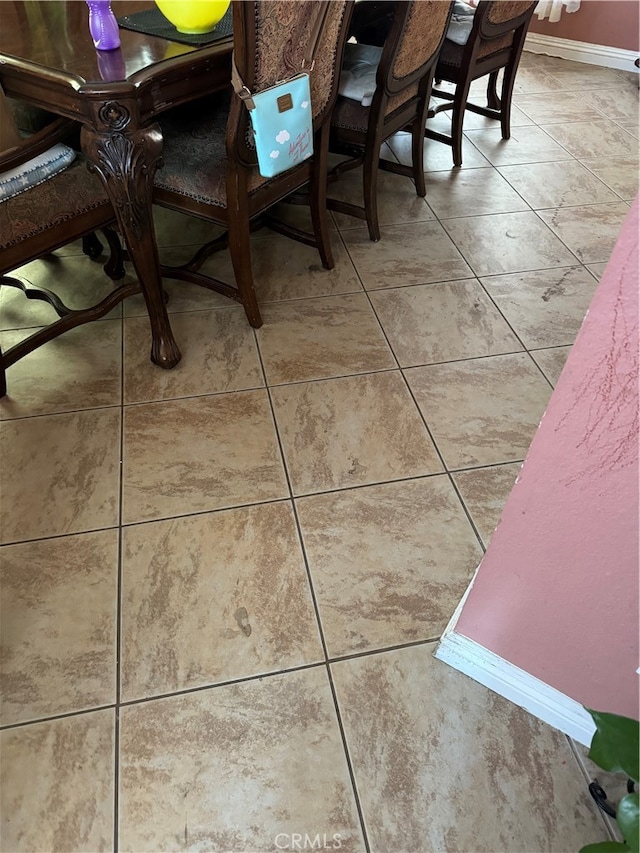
(582, 51)
(516, 685)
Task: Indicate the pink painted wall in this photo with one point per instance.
(557, 591)
(611, 22)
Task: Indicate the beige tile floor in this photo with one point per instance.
(222, 586)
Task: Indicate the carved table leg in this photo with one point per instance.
(126, 159)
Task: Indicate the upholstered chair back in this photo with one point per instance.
(270, 41)
(417, 33)
(496, 21)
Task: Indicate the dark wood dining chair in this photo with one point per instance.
(495, 42)
(62, 208)
(29, 120)
(403, 86)
(209, 158)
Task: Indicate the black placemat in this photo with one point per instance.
(153, 23)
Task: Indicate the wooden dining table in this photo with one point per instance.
(47, 58)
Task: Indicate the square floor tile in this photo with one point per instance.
(179, 295)
(470, 192)
(285, 269)
(182, 295)
(485, 492)
(437, 156)
(59, 474)
(173, 228)
(219, 353)
(421, 736)
(78, 281)
(594, 139)
(396, 196)
(442, 322)
(530, 59)
(415, 253)
(79, 370)
(240, 767)
(483, 411)
(533, 80)
(551, 361)
(58, 600)
(628, 78)
(238, 576)
(472, 121)
(200, 454)
(320, 338)
(597, 270)
(57, 788)
(619, 104)
(559, 108)
(557, 184)
(631, 128)
(507, 242)
(619, 173)
(526, 145)
(353, 431)
(590, 231)
(581, 75)
(299, 215)
(545, 308)
(389, 563)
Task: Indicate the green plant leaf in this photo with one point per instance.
(606, 847)
(616, 744)
(628, 817)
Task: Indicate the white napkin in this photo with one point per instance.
(358, 75)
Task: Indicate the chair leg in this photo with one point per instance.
(457, 120)
(240, 249)
(417, 144)
(3, 376)
(508, 82)
(114, 267)
(318, 200)
(91, 245)
(493, 101)
(417, 157)
(370, 189)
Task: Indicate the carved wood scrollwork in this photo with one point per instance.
(126, 163)
(123, 162)
(114, 115)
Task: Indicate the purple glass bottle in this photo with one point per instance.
(103, 25)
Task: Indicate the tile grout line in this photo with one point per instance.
(314, 600)
(116, 768)
(230, 508)
(260, 676)
(316, 608)
(447, 471)
(338, 717)
(292, 502)
(429, 433)
(347, 754)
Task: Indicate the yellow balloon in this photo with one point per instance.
(193, 16)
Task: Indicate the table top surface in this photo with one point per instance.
(54, 35)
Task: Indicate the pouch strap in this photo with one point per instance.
(308, 61)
